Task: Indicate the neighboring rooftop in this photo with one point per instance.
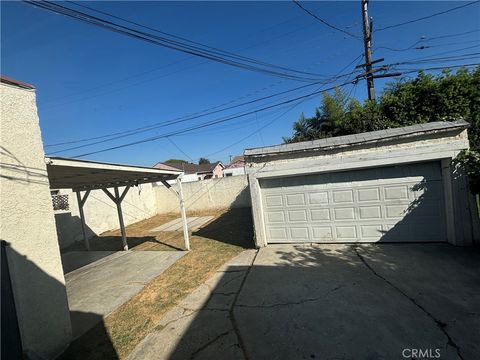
(196, 168)
(163, 166)
(237, 162)
(16, 83)
(362, 138)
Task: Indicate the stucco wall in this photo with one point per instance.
(221, 193)
(101, 213)
(27, 223)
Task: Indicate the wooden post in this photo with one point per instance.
(184, 215)
(118, 202)
(81, 202)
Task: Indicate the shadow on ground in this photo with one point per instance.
(234, 227)
(52, 319)
(330, 302)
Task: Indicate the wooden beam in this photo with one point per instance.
(118, 202)
(81, 202)
(186, 238)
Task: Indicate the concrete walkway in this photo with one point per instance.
(95, 290)
(329, 302)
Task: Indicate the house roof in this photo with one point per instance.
(237, 162)
(196, 168)
(16, 83)
(360, 139)
(163, 166)
(64, 173)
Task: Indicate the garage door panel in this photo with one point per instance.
(322, 233)
(318, 198)
(275, 217)
(299, 233)
(342, 196)
(370, 212)
(297, 215)
(344, 213)
(277, 234)
(345, 233)
(273, 201)
(401, 203)
(366, 195)
(320, 214)
(295, 199)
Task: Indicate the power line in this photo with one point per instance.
(180, 120)
(165, 66)
(179, 149)
(214, 122)
(203, 51)
(258, 129)
(422, 47)
(323, 21)
(118, 135)
(428, 16)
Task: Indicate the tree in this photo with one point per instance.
(203, 161)
(175, 161)
(444, 97)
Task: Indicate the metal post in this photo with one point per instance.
(184, 214)
(367, 39)
(82, 216)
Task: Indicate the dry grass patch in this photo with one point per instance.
(213, 245)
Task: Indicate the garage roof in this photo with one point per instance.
(64, 173)
(363, 138)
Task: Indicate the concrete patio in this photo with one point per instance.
(98, 282)
(329, 302)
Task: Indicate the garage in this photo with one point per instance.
(396, 203)
(397, 185)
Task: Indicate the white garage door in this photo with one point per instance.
(396, 204)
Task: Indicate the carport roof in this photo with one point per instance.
(363, 138)
(64, 173)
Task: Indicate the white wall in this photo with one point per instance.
(221, 193)
(28, 224)
(234, 171)
(101, 213)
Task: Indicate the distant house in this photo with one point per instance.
(195, 172)
(236, 167)
(163, 166)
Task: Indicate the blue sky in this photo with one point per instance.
(92, 82)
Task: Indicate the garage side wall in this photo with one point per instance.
(28, 225)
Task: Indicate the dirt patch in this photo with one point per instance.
(228, 234)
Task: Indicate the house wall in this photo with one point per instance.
(218, 171)
(101, 213)
(211, 194)
(234, 171)
(28, 225)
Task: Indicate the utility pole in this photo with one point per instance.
(367, 40)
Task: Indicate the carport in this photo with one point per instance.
(393, 185)
(84, 176)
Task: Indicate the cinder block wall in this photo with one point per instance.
(211, 194)
(28, 225)
(101, 213)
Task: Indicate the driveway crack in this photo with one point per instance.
(211, 342)
(441, 325)
(233, 320)
(301, 302)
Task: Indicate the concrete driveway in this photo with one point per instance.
(330, 302)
